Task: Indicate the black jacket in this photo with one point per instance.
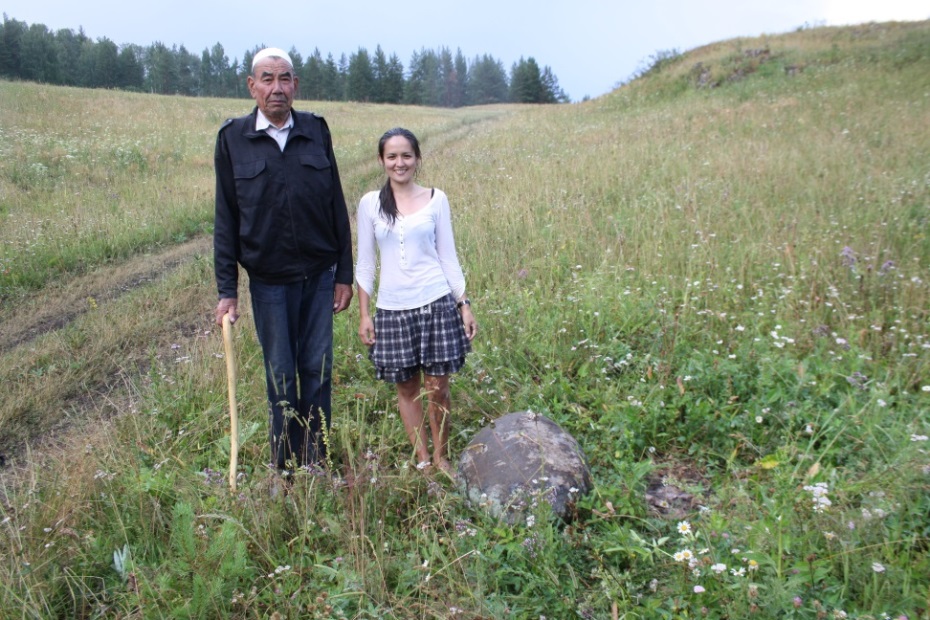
(281, 215)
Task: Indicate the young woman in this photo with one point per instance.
(423, 326)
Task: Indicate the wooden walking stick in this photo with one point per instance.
(233, 409)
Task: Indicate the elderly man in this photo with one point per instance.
(281, 215)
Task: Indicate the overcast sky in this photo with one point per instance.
(591, 45)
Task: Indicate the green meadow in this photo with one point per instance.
(715, 278)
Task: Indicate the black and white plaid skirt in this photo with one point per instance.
(431, 339)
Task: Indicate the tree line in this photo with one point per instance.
(436, 78)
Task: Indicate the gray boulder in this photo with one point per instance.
(519, 461)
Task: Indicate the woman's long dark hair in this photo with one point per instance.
(388, 204)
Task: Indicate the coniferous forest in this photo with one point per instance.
(431, 78)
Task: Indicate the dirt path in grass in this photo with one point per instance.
(62, 302)
(47, 404)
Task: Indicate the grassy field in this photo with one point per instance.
(716, 278)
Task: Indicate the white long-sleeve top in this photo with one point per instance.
(419, 263)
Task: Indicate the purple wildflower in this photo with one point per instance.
(849, 257)
(858, 380)
(821, 331)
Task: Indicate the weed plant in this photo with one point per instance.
(721, 292)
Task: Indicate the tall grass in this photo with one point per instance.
(721, 292)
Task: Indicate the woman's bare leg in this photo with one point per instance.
(439, 401)
(411, 413)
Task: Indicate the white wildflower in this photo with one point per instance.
(819, 491)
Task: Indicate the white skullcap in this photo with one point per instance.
(270, 52)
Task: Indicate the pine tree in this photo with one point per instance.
(526, 82)
(87, 65)
(39, 61)
(69, 47)
(343, 73)
(223, 76)
(246, 69)
(106, 63)
(460, 92)
(332, 82)
(379, 69)
(235, 79)
(424, 84)
(394, 81)
(130, 73)
(208, 77)
(296, 60)
(162, 74)
(360, 81)
(311, 77)
(487, 81)
(188, 72)
(551, 89)
(11, 41)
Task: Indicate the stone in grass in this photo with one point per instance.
(519, 460)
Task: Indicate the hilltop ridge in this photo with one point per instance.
(887, 45)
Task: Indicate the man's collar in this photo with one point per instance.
(262, 123)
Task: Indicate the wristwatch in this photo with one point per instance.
(463, 302)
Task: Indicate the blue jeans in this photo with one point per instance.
(294, 323)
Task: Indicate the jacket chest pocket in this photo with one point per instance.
(316, 174)
(251, 183)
